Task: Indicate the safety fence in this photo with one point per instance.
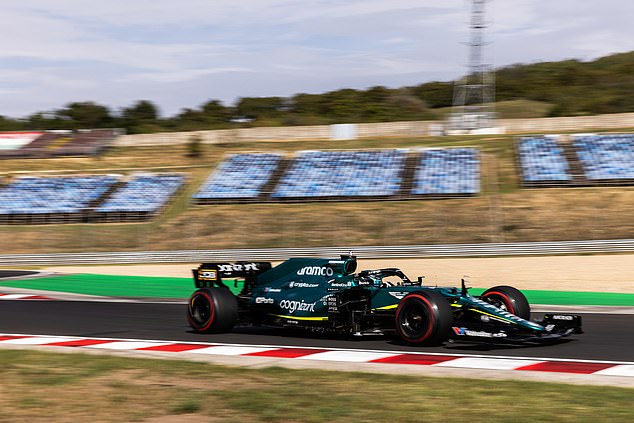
(367, 252)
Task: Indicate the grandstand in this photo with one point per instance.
(10, 141)
(342, 175)
(314, 175)
(53, 199)
(141, 197)
(240, 177)
(447, 172)
(87, 198)
(55, 143)
(542, 162)
(606, 159)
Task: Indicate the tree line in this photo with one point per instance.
(571, 87)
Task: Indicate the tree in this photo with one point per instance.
(86, 115)
(194, 146)
(260, 107)
(8, 124)
(141, 117)
(215, 112)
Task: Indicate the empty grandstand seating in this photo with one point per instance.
(342, 174)
(62, 143)
(606, 158)
(543, 162)
(42, 200)
(447, 171)
(143, 195)
(87, 142)
(241, 176)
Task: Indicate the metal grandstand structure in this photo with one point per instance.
(474, 95)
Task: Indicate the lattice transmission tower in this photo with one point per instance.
(474, 95)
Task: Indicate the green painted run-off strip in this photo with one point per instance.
(164, 287)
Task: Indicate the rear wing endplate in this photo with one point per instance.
(208, 275)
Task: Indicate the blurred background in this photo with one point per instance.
(344, 135)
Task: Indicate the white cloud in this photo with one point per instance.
(180, 54)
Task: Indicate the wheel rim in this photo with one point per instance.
(414, 320)
(500, 301)
(200, 310)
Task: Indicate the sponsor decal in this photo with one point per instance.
(332, 304)
(509, 316)
(302, 285)
(562, 317)
(549, 328)
(263, 300)
(315, 271)
(293, 306)
(478, 333)
(208, 275)
(398, 295)
(326, 298)
(341, 284)
(269, 289)
(237, 267)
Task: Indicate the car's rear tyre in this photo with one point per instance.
(423, 318)
(509, 299)
(212, 310)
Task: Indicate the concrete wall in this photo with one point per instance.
(384, 129)
(576, 123)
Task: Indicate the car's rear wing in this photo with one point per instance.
(208, 275)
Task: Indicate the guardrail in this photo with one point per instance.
(274, 254)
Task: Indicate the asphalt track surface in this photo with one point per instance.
(607, 337)
(16, 273)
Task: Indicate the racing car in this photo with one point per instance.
(327, 295)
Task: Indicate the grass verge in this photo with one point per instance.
(43, 387)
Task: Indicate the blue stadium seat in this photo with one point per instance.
(606, 157)
(543, 160)
(343, 174)
(241, 176)
(38, 195)
(143, 193)
(447, 171)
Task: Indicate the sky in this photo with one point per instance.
(182, 53)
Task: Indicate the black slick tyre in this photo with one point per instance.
(509, 299)
(212, 310)
(423, 318)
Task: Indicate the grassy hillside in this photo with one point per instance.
(503, 212)
(511, 109)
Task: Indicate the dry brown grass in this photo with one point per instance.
(502, 213)
(50, 387)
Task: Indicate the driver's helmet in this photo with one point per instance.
(370, 280)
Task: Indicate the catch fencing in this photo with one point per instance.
(365, 252)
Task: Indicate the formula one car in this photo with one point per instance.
(327, 295)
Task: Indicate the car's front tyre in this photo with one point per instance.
(423, 318)
(509, 299)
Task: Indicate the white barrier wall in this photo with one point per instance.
(372, 130)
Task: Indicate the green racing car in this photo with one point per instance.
(320, 294)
